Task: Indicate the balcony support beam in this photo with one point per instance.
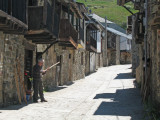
(47, 49)
(128, 10)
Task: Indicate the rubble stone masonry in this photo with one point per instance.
(71, 67)
(11, 48)
(153, 54)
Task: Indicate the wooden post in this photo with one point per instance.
(17, 84)
(21, 80)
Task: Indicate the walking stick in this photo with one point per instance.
(52, 66)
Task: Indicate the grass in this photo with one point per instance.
(109, 8)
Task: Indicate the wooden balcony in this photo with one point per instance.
(43, 24)
(12, 18)
(68, 35)
(92, 45)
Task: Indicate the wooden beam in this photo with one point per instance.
(73, 42)
(38, 37)
(65, 40)
(68, 45)
(33, 32)
(47, 48)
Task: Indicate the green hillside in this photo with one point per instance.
(110, 9)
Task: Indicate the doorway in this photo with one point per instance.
(28, 69)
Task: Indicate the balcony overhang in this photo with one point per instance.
(11, 25)
(40, 36)
(43, 24)
(68, 42)
(68, 35)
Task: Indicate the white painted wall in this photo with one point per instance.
(125, 44)
(92, 61)
(99, 42)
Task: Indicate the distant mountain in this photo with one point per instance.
(110, 9)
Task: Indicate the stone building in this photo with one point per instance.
(55, 30)
(65, 43)
(125, 50)
(94, 45)
(112, 47)
(101, 55)
(17, 55)
(144, 26)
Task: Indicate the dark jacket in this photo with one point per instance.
(37, 72)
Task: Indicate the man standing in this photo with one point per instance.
(37, 81)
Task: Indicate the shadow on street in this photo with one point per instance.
(124, 76)
(126, 102)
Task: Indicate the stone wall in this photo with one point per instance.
(99, 60)
(12, 48)
(104, 53)
(154, 75)
(117, 50)
(1, 66)
(153, 42)
(87, 63)
(125, 57)
(112, 57)
(72, 65)
(135, 57)
(152, 80)
(109, 57)
(140, 65)
(79, 64)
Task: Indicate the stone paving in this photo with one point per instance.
(108, 94)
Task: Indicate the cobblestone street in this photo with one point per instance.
(108, 94)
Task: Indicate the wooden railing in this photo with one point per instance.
(93, 42)
(43, 17)
(15, 8)
(67, 30)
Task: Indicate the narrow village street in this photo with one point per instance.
(108, 94)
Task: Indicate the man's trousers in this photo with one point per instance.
(38, 88)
